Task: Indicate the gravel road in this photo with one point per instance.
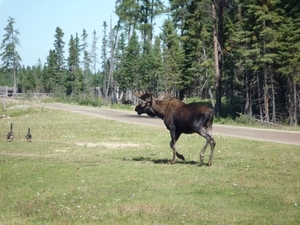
(278, 136)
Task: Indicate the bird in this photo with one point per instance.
(28, 135)
(10, 134)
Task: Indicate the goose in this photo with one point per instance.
(28, 135)
(10, 134)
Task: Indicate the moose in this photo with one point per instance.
(180, 118)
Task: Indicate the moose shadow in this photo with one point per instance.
(164, 161)
(138, 116)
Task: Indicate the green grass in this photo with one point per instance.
(85, 170)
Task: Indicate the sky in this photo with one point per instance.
(37, 20)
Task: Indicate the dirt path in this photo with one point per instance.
(287, 137)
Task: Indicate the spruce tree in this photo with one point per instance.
(171, 78)
(128, 13)
(289, 60)
(86, 58)
(104, 59)
(73, 76)
(10, 56)
(50, 79)
(59, 48)
(157, 66)
(132, 64)
(27, 83)
(94, 50)
(119, 58)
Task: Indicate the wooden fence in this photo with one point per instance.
(6, 91)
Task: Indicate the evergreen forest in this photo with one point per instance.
(241, 55)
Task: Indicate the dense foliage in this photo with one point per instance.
(242, 55)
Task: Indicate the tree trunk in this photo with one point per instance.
(293, 105)
(110, 83)
(15, 81)
(266, 88)
(266, 97)
(248, 107)
(232, 114)
(273, 101)
(259, 98)
(296, 104)
(216, 61)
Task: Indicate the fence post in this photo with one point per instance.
(5, 96)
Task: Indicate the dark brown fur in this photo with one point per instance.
(183, 118)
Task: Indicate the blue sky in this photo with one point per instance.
(37, 20)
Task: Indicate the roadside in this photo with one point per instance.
(278, 136)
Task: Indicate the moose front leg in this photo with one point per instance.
(173, 146)
(174, 138)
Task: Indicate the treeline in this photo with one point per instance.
(243, 55)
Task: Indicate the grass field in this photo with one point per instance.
(84, 170)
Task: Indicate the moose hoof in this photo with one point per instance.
(181, 157)
(208, 164)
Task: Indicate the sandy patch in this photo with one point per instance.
(107, 145)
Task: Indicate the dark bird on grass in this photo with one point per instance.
(28, 135)
(10, 134)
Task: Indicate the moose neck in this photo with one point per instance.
(160, 107)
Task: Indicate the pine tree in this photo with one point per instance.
(289, 59)
(10, 56)
(59, 48)
(72, 81)
(157, 66)
(94, 50)
(104, 59)
(73, 59)
(132, 64)
(119, 58)
(128, 13)
(50, 79)
(172, 58)
(148, 11)
(86, 58)
(260, 22)
(60, 70)
(232, 64)
(27, 82)
(38, 74)
(146, 68)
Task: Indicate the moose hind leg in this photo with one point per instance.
(203, 151)
(206, 135)
(212, 147)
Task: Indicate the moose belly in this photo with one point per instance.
(185, 128)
